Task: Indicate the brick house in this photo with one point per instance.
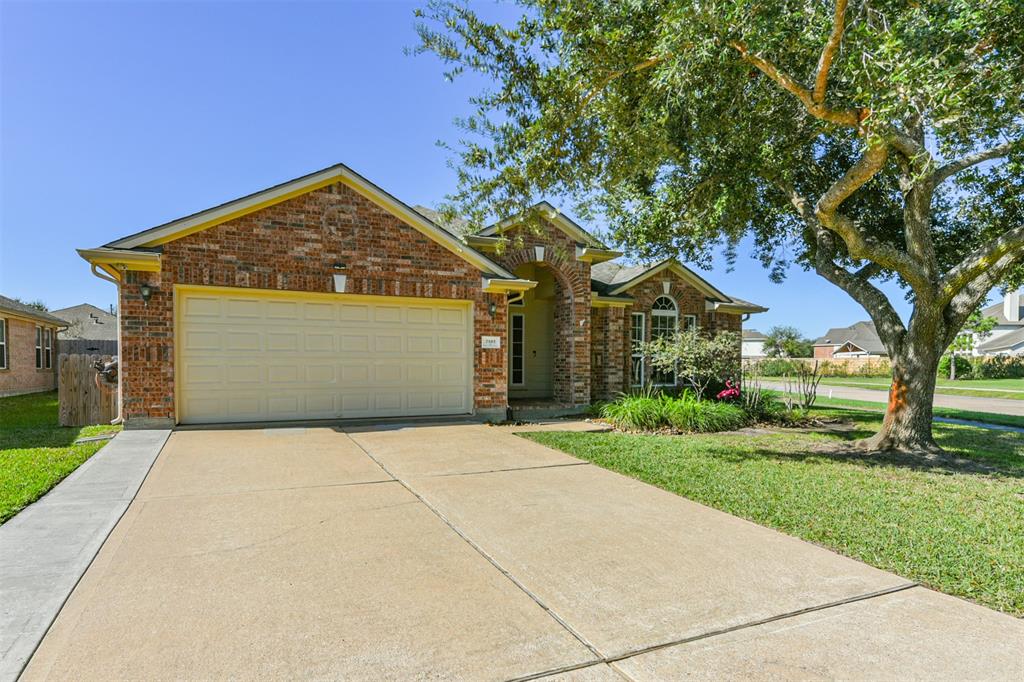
(28, 343)
(325, 297)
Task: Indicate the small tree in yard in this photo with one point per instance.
(867, 140)
(977, 328)
(787, 342)
(700, 360)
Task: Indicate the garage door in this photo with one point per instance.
(267, 356)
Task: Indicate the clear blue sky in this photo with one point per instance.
(119, 116)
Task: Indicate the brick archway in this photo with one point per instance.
(571, 338)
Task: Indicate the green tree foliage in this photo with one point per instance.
(787, 342)
(699, 359)
(863, 140)
(36, 305)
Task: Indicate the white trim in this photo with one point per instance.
(39, 347)
(674, 315)
(696, 322)
(48, 348)
(3, 343)
(522, 348)
(632, 351)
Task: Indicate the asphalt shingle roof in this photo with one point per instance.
(86, 321)
(861, 334)
(12, 306)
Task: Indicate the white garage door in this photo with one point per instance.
(257, 356)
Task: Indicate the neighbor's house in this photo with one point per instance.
(859, 340)
(1007, 337)
(90, 330)
(326, 297)
(753, 344)
(28, 339)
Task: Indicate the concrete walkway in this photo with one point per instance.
(995, 405)
(46, 548)
(462, 551)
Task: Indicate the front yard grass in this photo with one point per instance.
(35, 453)
(1012, 389)
(954, 529)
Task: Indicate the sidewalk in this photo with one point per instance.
(46, 548)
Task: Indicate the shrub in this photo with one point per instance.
(963, 367)
(997, 367)
(648, 411)
(777, 367)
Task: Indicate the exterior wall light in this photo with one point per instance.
(147, 293)
(492, 309)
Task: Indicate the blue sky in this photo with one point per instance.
(115, 117)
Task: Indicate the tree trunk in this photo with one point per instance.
(908, 420)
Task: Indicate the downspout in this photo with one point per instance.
(102, 275)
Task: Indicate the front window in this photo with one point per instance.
(48, 347)
(39, 347)
(689, 322)
(3, 344)
(517, 349)
(664, 324)
(636, 338)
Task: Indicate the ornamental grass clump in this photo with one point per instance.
(682, 414)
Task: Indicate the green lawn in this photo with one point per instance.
(36, 453)
(977, 388)
(950, 528)
(948, 412)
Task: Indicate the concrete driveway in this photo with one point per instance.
(462, 551)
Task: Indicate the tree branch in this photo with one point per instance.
(828, 53)
(887, 321)
(859, 247)
(978, 262)
(967, 300)
(615, 75)
(851, 118)
(965, 162)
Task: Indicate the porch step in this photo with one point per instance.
(544, 410)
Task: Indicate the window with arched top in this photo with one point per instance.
(664, 323)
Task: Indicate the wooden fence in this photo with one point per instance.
(861, 366)
(82, 400)
(87, 346)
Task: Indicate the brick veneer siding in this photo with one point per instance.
(572, 324)
(293, 246)
(824, 352)
(21, 375)
(689, 300)
(608, 344)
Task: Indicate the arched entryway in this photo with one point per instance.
(542, 359)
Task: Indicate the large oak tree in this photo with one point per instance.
(865, 139)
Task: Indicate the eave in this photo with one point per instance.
(495, 285)
(736, 308)
(115, 261)
(588, 254)
(599, 301)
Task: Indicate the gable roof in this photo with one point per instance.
(996, 311)
(752, 335)
(92, 323)
(552, 215)
(211, 217)
(615, 279)
(19, 309)
(860, 334)
(1002, 342)
(618, 278)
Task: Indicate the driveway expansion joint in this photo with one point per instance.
(599, 657)
(267, 490)
(510, 469)
(611, 660)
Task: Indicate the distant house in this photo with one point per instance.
(753, 343)
(28, 338)
(1007, 337)
(90, 330)
(858, 340)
